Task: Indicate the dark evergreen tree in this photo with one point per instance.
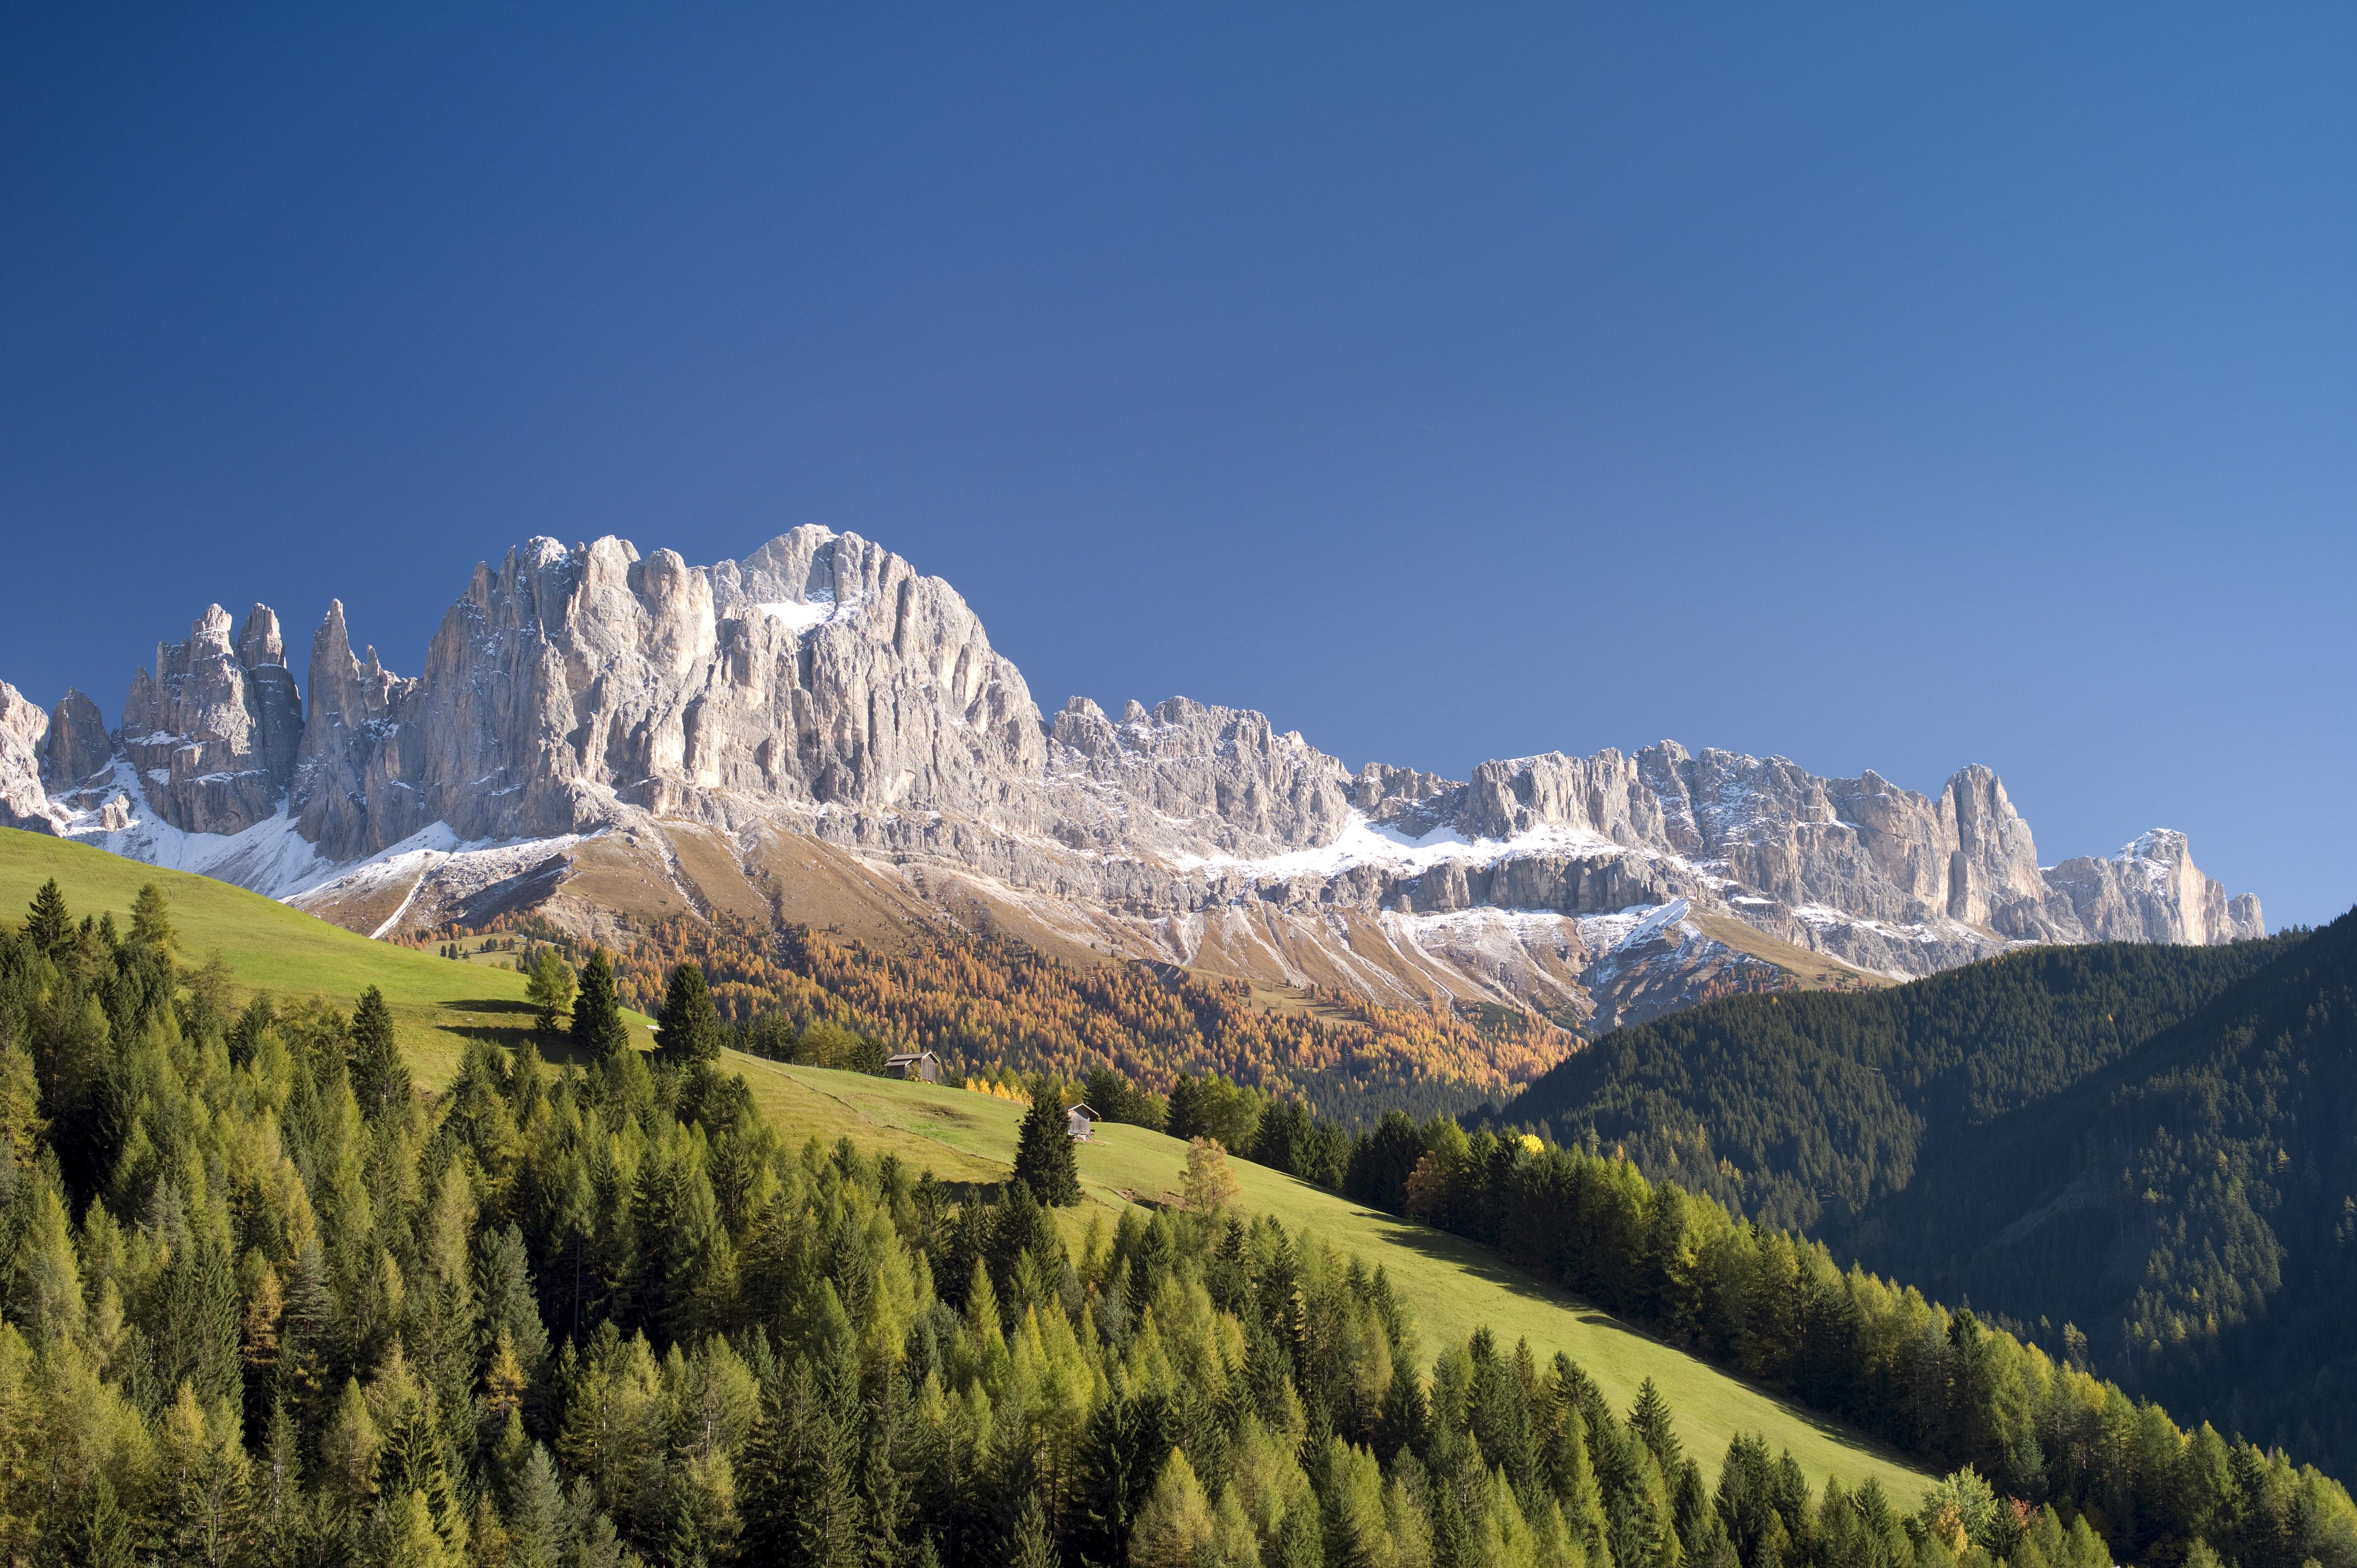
(1044, 1160)
(380, 1078)
(1120, 1455)
(48, 925)
(108, 1538)
(598, 1032)
(688, 1030)
(1650, 1420)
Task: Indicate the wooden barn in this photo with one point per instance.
(921, 1067)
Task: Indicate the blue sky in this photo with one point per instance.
(1888, 387)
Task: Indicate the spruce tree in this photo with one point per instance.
(687, 1029)
(598, 1032)
(48, 925)
(150, 920)
(1044, 1160)
(108, 1539)
(538, 1520)
(1650, 1420)
(380, 1078)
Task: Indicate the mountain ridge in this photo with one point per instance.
(685, 728)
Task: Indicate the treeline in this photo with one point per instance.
(1425, 1173)
(265, 1303)
(987, 1000)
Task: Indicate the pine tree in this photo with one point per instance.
(1650, 1420)
(49, 926)
(409, 1535)
(108, 1540)
(1044, 1160)
(1032, 1547)
(1176, 1522)
(380, 1078)
(687, 1029)
(203, 1476)
(278, 1487)
(598, 1032)
(151, 920)
(538, 1524)
(1119, 1454)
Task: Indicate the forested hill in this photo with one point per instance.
(1801, 1110)
(2192, 1206)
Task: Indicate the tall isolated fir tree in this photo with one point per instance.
(48, 925)
(150, 920)
(380, 1078)
(688, 1028)
(1044, 1160)
(598, 1032)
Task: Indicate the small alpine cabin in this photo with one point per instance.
(1080, 1123)
(920, 1067)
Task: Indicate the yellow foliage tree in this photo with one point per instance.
(1211, 1186)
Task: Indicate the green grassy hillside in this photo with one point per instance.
(1453, 1286)
(437, 1004)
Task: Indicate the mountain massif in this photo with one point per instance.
(819, 733)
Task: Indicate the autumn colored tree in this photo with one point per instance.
(1211, 1186)
(550, 986)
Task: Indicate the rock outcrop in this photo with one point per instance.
(2152, 892)
(79, 749)
(214, 732)
(24, 736)
(823, 692)
(354, 790)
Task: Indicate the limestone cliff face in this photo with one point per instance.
(820, 670)
(213, 731)
(1191, 779)
(355, 788)
(2152, 892)
(79, 749)
(823, 692)
(23, 737)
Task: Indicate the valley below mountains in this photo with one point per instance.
(818, 734)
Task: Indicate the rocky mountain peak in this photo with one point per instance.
(215, 731)
(822, 690)
(79, 749)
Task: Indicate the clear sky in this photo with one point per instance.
(1893, 386)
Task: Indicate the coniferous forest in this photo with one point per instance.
(267, 1303)
(2143, 1157)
